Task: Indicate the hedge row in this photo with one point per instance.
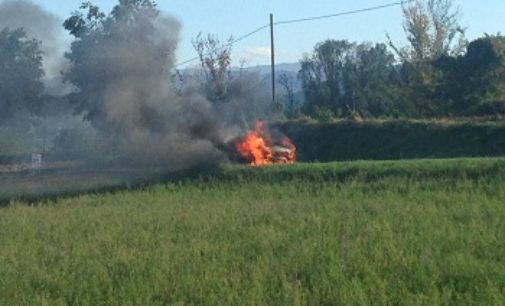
(396, 139)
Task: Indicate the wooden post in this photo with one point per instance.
(272, 53)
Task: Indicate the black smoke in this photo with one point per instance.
(123, 75)
(120, 78)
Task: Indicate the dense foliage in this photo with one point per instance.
(20, 74)
(437, 74)
(394, 139)
(342, 75)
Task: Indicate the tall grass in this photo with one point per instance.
(409, 233)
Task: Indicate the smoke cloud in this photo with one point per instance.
(122, 84)
(148, 119)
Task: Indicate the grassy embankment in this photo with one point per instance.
(395, 139)
(405, 232)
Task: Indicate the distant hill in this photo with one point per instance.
(282, 67)
(262, 69)
(291, 69)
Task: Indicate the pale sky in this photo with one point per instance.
(238, 17)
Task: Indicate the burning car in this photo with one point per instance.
(259, 147)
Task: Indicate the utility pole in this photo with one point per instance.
(272, 54)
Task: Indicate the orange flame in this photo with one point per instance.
(260, 148)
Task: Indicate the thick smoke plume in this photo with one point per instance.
(127, 92)
(118, 75)
(45, 27)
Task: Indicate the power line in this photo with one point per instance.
(358, 11)
(234, 41)
(363, 10)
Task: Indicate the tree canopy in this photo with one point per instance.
(215, 60)
(476, 79)
(341, 76)
(20, 73)
(127, 54)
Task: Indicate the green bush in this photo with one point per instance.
(323, 114)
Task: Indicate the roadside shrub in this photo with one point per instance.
(323, 114)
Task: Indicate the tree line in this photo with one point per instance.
(439, 73)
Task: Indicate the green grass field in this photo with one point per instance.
(420, 232)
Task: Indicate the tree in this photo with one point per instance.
(20, 74)
(120, 65)
(484, 64)
(368, 78)
(215, 58)
(344, 77)
(321, 75)
(477, 78)
(286, 81)
(433, 31)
